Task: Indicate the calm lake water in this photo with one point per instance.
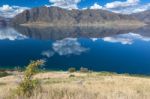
(99, 49)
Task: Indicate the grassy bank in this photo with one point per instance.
(77, 85)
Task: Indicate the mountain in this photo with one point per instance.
(143, 16)
(52, 16)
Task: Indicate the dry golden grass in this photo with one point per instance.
(58, 85)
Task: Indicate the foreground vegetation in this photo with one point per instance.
(74, 85)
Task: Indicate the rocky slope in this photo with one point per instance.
(57, 16)
(143, 16)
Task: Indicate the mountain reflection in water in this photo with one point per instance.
(59, 33)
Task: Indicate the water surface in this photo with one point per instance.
(99, 49)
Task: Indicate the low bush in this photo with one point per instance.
(72, 69)
(70, 76)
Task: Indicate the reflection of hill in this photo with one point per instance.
(144, 31)
(73, 32)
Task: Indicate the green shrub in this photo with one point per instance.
(72, 69)
(84, 70)
(28, 84)
(70, 76)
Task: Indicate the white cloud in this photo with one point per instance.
(126, 38)
(85, 8)
(96, 6)
(126, 7)
(6, 8)
(10, 34)
(10, 11)
(67, 4)
(131, 9)
(127, 3)
(141, 8)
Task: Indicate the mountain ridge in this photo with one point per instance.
(53, 16)
(143, 16)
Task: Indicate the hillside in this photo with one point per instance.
(53, 16)
(61, 85)
(143, 16)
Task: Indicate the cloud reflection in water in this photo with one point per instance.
(126, 38)
(67, 46)
(10, 34)
(48, 53)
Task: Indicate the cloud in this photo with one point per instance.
(127, 3)
(10, 11)
(6, 8)
(67, 4)
(96, 6)
(126, 38)
(131, 9)
(68, 46)
(10, 34)
(126, 7)
(141, 8)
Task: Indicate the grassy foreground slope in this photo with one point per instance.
(64, 85)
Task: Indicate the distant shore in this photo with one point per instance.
(113, 24)
(12, 71)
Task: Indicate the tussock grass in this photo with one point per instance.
(58, 85)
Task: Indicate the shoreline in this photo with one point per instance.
(14, 71)
(109, 24)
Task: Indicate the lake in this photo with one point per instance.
(98, 49)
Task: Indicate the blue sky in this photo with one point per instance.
(9, 8)
(35, 3)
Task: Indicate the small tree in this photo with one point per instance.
(28, 84)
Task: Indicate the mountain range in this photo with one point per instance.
(143, 16)
(55, 16)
